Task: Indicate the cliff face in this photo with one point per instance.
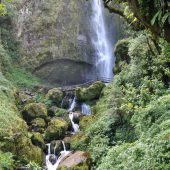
(50, 30)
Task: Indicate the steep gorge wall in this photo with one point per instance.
(50, 30)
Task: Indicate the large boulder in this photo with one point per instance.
(38, 140)
(91, 93)
(55, 95)
(78, 160)
(38, 125)
(62, 113)
(34, 110)
(56, 129)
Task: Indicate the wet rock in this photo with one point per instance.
(53, 159)
(55, 95)
(78, 160)
(38, 140)
(34, 110)
(91, 93)
(56, 146)
(76, 117)
(56, 129)
(38, 125)
(67, 141)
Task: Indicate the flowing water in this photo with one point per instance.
(71, 115)
(104, 54)
(63, 154)
(74, 125)
(85, 109)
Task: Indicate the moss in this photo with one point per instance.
(38, 140)
(85, 121)
(56, 129)
(6, 161)
(122, 56)
(39, 122)
(34, 110)
(55, 95)
(91, 93)
(23, 149)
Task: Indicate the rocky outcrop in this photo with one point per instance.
(56, 129)
(52, 30)
(78, 160)
(55, 95)
(90, 93)
(34, 110)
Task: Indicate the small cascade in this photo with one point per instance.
(71, 115)
(74, 125)
(85, 109)
(72, 105)
(52, 162)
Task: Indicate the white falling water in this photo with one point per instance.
(85, 109)
(74, 125)
(72, 105)
(63, 154)
(104, 61)
(71, 115)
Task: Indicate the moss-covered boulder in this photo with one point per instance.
(34, 110)
(77, 161)
(23, 149)
(38, 140)
(122, 56)
(38, 125)
(62, 113)
(55, 95)
(56, 129)
(91, 93)
(23, 97)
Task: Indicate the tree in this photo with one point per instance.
(152, 14)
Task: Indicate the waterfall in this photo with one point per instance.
(74, 125)
(71, 115)
(63, 154)
(104, 54)
(85, 109)
(72, 105)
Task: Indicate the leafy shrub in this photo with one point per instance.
(6, 161)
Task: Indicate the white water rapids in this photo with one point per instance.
(63, 154)
(104, 54)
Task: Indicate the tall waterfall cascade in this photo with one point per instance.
(100, 40)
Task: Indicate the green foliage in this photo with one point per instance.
(21, 77)
(33, 166)
(130, 129)
(6, 161)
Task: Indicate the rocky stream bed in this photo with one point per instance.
(54, 123)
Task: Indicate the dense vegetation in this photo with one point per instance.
(129, 128)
